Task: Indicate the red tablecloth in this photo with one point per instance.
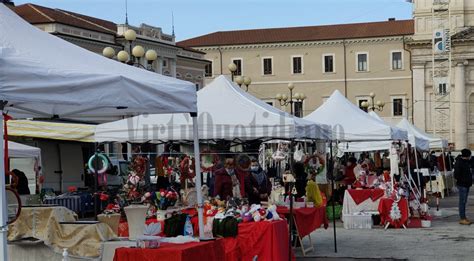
(266, 240)
(209, 251)
(361, 195)
(307, 219)
(385, 206)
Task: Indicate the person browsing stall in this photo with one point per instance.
(463, 175)
(228, 181)
(261, 186)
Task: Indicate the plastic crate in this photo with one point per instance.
(329, 212)
(358, 221)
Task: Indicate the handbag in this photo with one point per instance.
(174, 226)
(226, 227)
(299, 153)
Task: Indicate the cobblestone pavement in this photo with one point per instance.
(445, 240)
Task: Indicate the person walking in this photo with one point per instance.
(463, 175)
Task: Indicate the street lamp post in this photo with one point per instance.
(374, 106)
(285, 100)
(137, 52)
(243, 80)
(232, 68)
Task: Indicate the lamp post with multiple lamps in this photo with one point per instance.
(288, 100)
(240, 80)
(245, 80)
(137, 52)
(374, 106)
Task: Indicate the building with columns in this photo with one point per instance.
(443, 82)
(95, 34)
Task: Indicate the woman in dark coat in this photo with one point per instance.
(301, 179)
(22, 187)
(261, 186)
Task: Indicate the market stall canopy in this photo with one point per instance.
(413, 139)
(51, 130)
(44, 76)
(349, 123)
(225, 112)
(434, 142)
(18, 150)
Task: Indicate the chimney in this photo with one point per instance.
(391, 19)
(8, 3)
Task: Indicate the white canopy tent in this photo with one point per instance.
(433, 142)
(44, 76)
(18, 150)
(413, 138)
(349, 123)
(225, 112)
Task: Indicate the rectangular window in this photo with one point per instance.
(397, 63)
(328, 63)
(267, 66)
(362, 62)
(360, 104)
(297, 65)
(238, 62)
(397, 107)
(298, 108)
(208, 69)
(442, 88)
(165, 63)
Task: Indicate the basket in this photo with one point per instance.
(358, 221)
(329, 212)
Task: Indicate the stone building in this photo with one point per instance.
(443, 93)
(95, 34)
(356, 59)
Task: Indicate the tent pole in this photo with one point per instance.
(197, 171)
(444, 171)
(331, 168)
(3, 202)
(418, 172)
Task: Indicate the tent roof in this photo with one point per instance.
(434, 142)
(42, 75)
(225, 112)
(413, 139)
(349, 123)
(18, 150)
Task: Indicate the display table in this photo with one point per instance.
(306, 221)
(361, 200)
(45, 224)
(436, 186)
(264, 240)
(209, 251)
(385, 206)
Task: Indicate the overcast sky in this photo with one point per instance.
(198, 17)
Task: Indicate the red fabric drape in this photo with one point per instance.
(209, 251)
(361, 195)
(307, 219)
(385, 206)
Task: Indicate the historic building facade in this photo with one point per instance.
(356, 59)
(95, 34)
(443, 81)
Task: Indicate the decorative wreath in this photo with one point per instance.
(312, 162)
(105, 163)
(208, 160)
